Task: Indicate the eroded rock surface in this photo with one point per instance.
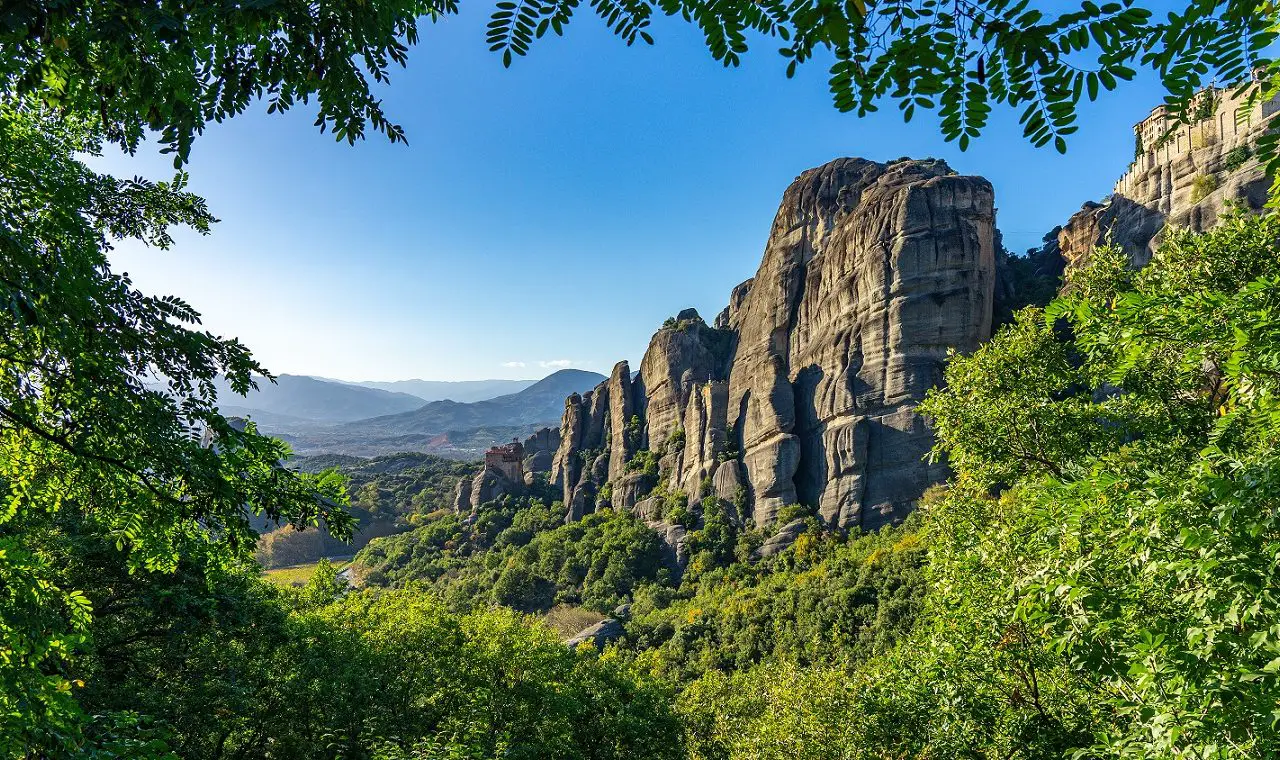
(785, 537)
(540, 450)
(804, 390)
(871, 275)
(1184, 175)
(598, 635)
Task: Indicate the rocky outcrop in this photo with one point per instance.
(625, 435)
(1184, 175)
(598, 635)
(684, 354)
(598, 436)
(487, 485)
(462, 496)
(728, 482)
(872, 273)
(785, 537)
(706, 437)
(675, 539)
(726, 319)
(1120, 221)
(540, 451)
(804, 390)
(566, 465)
(491, 484)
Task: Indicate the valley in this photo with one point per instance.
(891, 490)
(331, 417)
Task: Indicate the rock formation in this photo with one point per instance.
(1185, 175)
(599, 433)
(785, 537)
(804, 390)
(539, 452)
(598, 634)
(502, 474)
(871, 275)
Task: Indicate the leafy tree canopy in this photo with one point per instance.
(172, 67)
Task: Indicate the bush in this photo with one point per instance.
(793, 512)
(644, 461)
(676, 441)
(1236, 158)
(523, 590)
(285, 546)
(1202, 186)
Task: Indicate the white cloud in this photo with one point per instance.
(513, 365)
(555, 363)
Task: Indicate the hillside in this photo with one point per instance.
(388, 495)
(740, 516)
(446, 428)
(539, 404)
(465, 391)
(296, 399)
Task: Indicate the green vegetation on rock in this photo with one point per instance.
(1236, 158)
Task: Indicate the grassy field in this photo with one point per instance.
(299, 574)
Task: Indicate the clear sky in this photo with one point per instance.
(551, 214)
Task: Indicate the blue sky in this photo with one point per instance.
(551, 214)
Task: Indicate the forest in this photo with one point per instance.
(1099, 577)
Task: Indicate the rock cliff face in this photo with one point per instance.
(804, 390)
(539, 452)
(871, 275)
(1184, 175)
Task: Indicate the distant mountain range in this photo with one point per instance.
(541, 402)
(296, 399)
(465, 391)
(330, 417)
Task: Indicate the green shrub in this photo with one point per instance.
(794, 511)
(1236, 157)
(1202, 185)
(676, 508)
(523, 590)
(644, 461)
(675, 441)
(632, 431)
(730, 445)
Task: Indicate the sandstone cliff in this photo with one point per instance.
(871, 275)
(1185, 175)
(803, 391)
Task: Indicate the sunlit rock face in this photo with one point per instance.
(804, 390)
(1182, 175)
(871, 274)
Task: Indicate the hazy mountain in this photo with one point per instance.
(454, 390)
(299, 398)
(541, 403)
